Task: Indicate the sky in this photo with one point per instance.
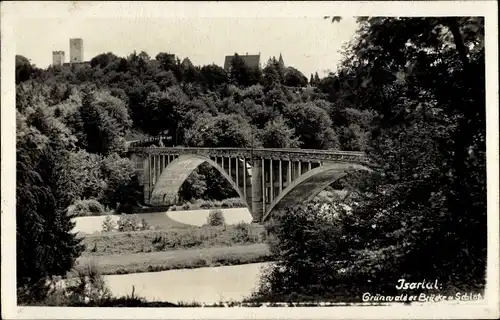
(310, 44)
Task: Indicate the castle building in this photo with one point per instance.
(280, 61)
(57, 58)
(76, 50)
(251, 61)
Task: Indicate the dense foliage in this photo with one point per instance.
(410, 93)
(422, 214)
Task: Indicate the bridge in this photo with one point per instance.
(266, 180)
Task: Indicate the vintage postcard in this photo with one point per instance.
(222, 160)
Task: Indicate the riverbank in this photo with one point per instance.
(178, 259)
(172, 243)
(146, 241)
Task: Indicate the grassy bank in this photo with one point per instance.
(178, 259)
(111, 243)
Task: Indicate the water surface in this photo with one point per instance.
(203, 285)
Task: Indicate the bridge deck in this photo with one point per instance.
(268, 153)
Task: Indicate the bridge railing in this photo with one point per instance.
(303, 154)
(138, 143)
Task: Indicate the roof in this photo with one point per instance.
(250, 61)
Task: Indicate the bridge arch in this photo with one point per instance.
(310, 184)
(166, 188)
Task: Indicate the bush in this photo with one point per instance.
(216, 218)
(128, 223)
(207, 205)
(86, 207)
(88, 289)
(88, 286)
(233, 203)
(145, 225)
(307, 246)
(242, 233)
(108, 224)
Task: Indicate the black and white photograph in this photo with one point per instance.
(250, 160)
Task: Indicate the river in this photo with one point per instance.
(203, 285)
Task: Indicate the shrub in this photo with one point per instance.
(126, 223)
(215, 218)
(159, 243)
(88, 286)
(233, 203)
(108, 224)
(144, 225)
(241, 233)
(207, 205)
(95, 208)
(307, 247)
(86, 207)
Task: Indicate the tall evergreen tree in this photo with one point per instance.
(45, 245)
(316, 79)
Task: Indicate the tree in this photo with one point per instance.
(214, 76)
(194, 187)
(103, 60)
(231, 131)
(307, 243)
(294, 78)
(121, 184)
(165, 79)
(423, 81)
(84, 178)
(24, 69)
(276, 99)
(312, 125)
(277, 134)
(273, 73)
(164, 110)
(192, 74)
(103, 121)
(144, 56)
(45, 244)
(414, 215)
(316, 78)
(242, 74)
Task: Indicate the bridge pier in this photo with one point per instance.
(257, 189)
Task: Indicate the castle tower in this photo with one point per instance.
(75, 50)
(281, 62)
(57, 58)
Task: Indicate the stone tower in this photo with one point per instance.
(75, 50)
(57, 58)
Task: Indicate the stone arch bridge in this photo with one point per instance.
(265, 179)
